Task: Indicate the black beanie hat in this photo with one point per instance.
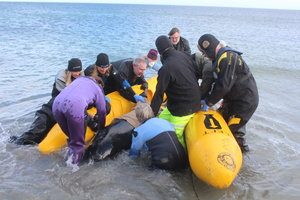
(163, 43)
(208, 43)
(75, 65)
(102, 60)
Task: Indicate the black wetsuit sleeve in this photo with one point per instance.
(121, 76)
(55, 91)
(225, 80)
(163, 80)
(207, 78)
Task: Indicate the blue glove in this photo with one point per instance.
(107, 105)
(139, 98)
(107, 99)
(204, 106)
(125, 85)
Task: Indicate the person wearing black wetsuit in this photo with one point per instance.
(234, 83)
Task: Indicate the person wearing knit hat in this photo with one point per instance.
(177, 79)
(44, 119)
(75, 65)
(152, 55)
(103, 65)
(65, 77)
(121, 75)
(152, 63)
(102, 60)
(234, 83)
(179, 42)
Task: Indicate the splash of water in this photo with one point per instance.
(74, 167)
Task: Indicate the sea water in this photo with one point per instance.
(38, 39)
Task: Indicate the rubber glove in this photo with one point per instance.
(204, 106)
(107, 105)
(144, 94)
(93, 122)
(125, 84)
(107, 99)
(139, 98)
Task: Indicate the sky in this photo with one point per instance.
(272, 4)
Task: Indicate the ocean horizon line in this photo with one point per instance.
(141, 4)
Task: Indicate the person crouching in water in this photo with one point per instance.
(69, 110)
(158, 136)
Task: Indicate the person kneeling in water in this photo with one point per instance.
(117, 136)
(159, 137)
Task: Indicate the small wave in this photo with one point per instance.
(4, 135)
(29, 98)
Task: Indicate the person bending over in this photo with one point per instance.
(69, 110)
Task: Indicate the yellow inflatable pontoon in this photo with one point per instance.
(56, 139)
(214, 155)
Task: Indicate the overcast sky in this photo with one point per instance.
(277, 4)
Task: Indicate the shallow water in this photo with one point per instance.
(37, 40)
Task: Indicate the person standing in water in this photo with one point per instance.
(234, 83)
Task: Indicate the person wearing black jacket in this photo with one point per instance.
(234, 83)
(44, 119)
(177, 78)
(121, 75)
(179, 42)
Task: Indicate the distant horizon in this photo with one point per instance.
(255, 4)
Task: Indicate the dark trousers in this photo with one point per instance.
(167, 152)
(40, 127)
(243, 112)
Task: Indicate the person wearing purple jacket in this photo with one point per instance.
(69, 110)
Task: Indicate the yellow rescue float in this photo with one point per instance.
(214, 155)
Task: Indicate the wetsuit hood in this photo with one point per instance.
(163, 44)
(208, 44)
